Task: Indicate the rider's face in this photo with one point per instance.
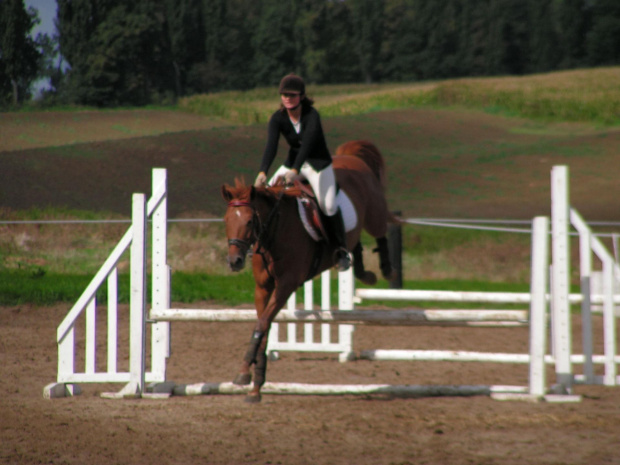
(290, 100)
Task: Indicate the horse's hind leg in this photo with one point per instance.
(387, 271)
(367, 277)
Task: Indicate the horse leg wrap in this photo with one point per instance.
(250, 355)
(384, 256)
(260, 370)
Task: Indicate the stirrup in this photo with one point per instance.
(342, 259)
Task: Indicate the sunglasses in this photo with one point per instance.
(289, 95)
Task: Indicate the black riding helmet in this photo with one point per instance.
(292, 83)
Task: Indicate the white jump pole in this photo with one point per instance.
(389, 390)
(160, 289)
(538, 307)
(405, 317)
(560, 306)
(137, 306)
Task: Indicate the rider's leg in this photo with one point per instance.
(324, 185)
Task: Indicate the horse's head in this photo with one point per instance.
(240, 220)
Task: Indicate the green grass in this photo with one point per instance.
(590, 95)
(37, 287)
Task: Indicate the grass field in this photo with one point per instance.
(472, 148)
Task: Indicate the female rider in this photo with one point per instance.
(300, 124)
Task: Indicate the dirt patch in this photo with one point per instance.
(289, 429)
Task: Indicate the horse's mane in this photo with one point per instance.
(369, 153)
(240, 191)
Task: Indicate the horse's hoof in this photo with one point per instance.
(390, 275)
(253, 398)
(368, 278)
(243, 379)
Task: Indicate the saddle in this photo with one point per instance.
(310, 212)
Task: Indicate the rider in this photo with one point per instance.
(300, 124)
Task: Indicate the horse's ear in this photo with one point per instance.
(226, 192)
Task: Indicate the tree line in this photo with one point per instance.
(153, 51)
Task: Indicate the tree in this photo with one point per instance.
(603, 39)
(118, 51)
(324, 41)
(543, 39)
(184, 28)
(228, 27)
(367, 25)
(19, 56)
(473, 40)
(508, 37)
(573, 23)
(273, 41)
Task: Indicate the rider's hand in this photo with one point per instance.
(290, 176)
(261, 180)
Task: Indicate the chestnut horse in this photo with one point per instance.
(285, 255)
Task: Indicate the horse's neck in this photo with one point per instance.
(272, 213)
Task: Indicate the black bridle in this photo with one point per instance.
(260, 230)
(242, 244)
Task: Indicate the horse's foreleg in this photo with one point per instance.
(387, 271)
(261, 334)
(260, 370)
(262, 294)
(245, 377)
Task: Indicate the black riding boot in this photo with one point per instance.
(339, 240)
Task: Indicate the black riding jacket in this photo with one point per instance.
(307, 146)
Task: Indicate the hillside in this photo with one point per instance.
(441, 163)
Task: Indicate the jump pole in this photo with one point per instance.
(405, 390)
(406, 317)
(560, 307)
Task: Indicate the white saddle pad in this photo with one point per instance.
(349, 215)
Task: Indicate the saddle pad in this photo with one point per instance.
(349, 215)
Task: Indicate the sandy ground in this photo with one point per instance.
(295, 429)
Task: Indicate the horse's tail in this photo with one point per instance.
(368, 152)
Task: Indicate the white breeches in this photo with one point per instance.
(323, 183)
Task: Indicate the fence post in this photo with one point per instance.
(137, 305)
(560, 311)
(538, 306)
(395, 247)
(160, 291)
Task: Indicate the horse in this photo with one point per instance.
(285, 255)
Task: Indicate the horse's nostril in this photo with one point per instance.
(236, 263)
